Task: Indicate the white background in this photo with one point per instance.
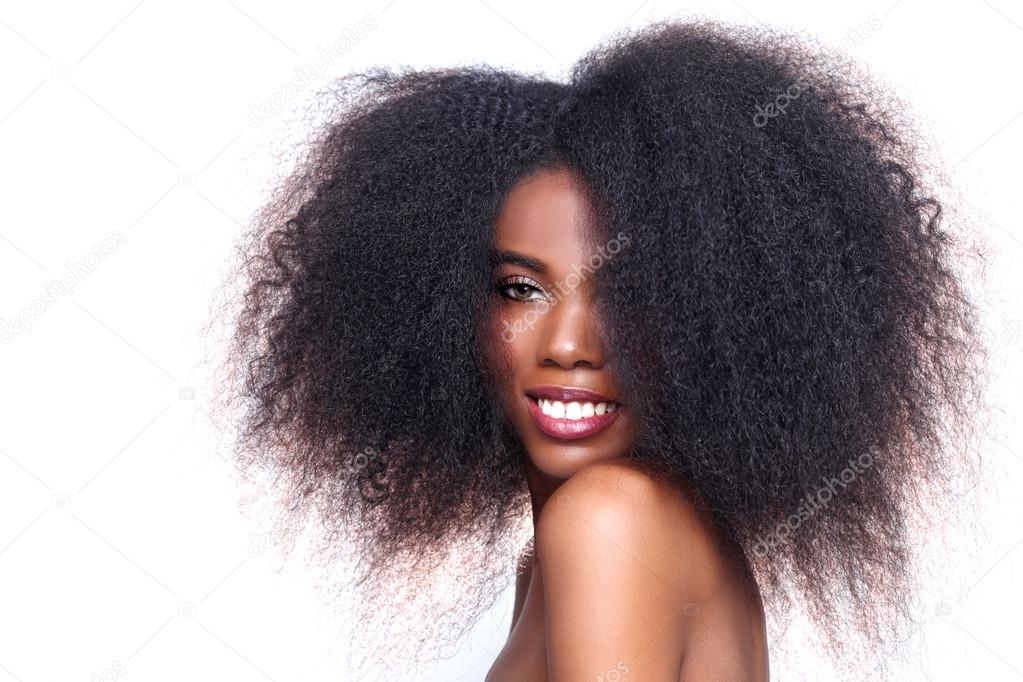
(123, 554)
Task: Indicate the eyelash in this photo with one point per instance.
(517, 280)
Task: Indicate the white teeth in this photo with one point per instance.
(574, 409)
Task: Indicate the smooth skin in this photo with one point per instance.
(625, 578)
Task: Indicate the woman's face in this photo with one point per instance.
(555, 380)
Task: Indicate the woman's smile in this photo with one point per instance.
(571, 421)
(570, 413)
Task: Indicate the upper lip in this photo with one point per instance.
(552, 392)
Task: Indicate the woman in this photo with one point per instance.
(692, 311)
(615, 537)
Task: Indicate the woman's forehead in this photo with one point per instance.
(545, 216)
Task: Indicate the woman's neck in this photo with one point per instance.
(541, 487)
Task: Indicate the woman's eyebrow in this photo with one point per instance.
(516, 258)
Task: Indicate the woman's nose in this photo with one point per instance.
(570, 336)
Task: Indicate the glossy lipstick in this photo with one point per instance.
(569, 429)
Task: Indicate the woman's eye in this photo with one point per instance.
(520, 291)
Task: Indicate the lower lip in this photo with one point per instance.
(570, 429)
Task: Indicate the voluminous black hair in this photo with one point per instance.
(786, 318)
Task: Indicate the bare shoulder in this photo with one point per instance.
(617, 539)
(624, 501)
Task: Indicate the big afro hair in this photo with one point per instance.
(787, 318)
